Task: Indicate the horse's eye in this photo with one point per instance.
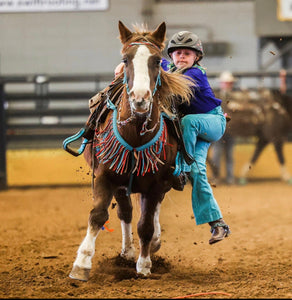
(158, 61)
(125, 61)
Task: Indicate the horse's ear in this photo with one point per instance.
(159, 33)
(125, 33)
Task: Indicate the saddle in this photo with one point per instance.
(98, 106)
(173, 125)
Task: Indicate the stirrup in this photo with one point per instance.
(83, 132)
(180, 181)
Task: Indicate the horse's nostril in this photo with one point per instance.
(140, 103)
(140, 95)
(132, 95)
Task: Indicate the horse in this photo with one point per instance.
(266, 115)
(133, 150)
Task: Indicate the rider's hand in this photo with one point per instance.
(119, 69)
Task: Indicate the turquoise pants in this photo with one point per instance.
(199, 131)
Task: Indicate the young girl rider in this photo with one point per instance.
(203, 122)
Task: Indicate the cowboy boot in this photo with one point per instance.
(219, 230)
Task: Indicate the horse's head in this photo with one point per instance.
(141, 54)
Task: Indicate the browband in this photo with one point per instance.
(144, 43)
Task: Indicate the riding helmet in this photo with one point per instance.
(185, 39)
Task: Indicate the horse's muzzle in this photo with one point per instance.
(140, 105)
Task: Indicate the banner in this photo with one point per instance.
(7, 6)
(284, 10)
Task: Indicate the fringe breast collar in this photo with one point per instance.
(112, 149)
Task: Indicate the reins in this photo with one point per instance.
(120, 138)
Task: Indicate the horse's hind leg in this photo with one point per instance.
(125, 210)
(285, 175)
(146, 230)
(261, 144)
(97, 218)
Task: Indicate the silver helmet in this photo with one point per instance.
(185, 39)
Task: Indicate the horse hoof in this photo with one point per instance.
(143, 266)
(144, 272)
(79, 273)
(128, 254)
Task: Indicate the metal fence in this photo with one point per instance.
(40, 111)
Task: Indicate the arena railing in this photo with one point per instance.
(41, 110)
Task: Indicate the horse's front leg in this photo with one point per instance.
(156, 242)
(125, 210)
(150, 205)
(97, 218)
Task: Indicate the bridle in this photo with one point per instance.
(157, 84)
(158, 79)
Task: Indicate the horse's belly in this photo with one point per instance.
(151, 183)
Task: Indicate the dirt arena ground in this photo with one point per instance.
(42, 227)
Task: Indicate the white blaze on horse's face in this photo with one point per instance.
(140, 93)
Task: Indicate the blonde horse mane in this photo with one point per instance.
(174, 85)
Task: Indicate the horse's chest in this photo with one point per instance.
(114, 151)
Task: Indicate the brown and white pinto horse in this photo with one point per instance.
(133, 151)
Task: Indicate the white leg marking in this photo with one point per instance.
(155, 242)
(245, 169)
(285, 173)
(86, 250)
(128, 249)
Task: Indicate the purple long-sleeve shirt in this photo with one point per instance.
(203, 99)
